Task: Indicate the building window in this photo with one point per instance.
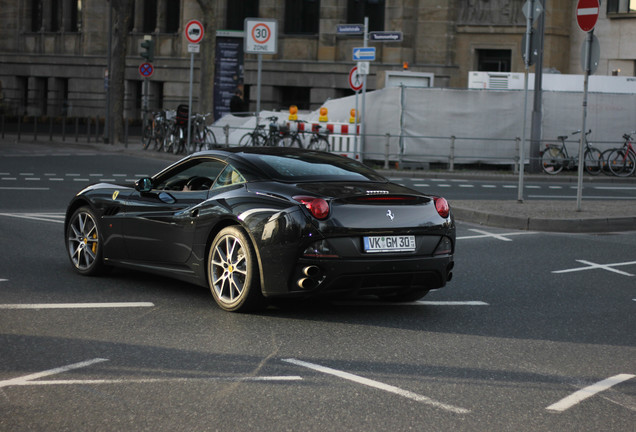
(621, 6)
(150, 16)
(302, 16)
(299, 96)
(173, 12)
(492, 60)
(36, 15)
(373, 9)
(237, 11)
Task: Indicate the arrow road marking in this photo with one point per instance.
(378, 385)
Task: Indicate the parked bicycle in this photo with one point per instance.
(155, 131)
(555, 157)
(319, 139)
(202, 137)
(621, 162)
(254, 138)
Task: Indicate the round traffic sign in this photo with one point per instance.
(587, 14)
(261, 33)
(355, 81)
(260, 36)
(146, 70)
(194, 31)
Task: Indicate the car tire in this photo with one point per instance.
(233, 272)
(84, 243)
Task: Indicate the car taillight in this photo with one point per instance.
(318, 207)
(442, 207)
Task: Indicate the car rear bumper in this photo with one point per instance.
(356, 276)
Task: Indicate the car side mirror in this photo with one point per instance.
(143, 184)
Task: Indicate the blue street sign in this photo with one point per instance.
(364, 54)
(350, 28)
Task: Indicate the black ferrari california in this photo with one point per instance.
(262, 223)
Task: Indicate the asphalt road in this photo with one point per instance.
(534, 333)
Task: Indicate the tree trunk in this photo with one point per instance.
(122, 16)
(207, 55)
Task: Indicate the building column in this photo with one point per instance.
(138, 19)
(162, 7)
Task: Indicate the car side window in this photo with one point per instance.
(195, 175)
(230, 176)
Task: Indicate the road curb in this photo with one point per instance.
(581, 225)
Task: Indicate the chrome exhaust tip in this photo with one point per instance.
(307, 283)
(312, 271)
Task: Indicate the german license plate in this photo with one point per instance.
(389, 243)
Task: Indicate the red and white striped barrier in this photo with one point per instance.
(342, 136)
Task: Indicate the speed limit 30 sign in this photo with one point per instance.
(260, 36)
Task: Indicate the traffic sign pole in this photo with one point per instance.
(363, 120)
(586, 17)
(194, 34)
(587, 62)
(261, 37)
(522, 148)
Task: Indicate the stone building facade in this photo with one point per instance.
(53, 53)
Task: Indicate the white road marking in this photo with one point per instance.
(378, 385)
(413, 303)
(26, 188)
(28, 380)
(46, 217)
(615, 187)
(603, 197)
(452, 303)
(593, 266)
(76, 305)
(499, 236)
(23, 379)
(587, 392)
(159, 380)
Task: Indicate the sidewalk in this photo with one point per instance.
(536, 215)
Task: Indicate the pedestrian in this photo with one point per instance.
(237, 104)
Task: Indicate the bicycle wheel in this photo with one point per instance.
(604, 162)
(147, 137)
(209, 139)
(621, 163)
(248, 140)
(552, 159)
(592, 161)
(169, 141)
(291, 141)
(319, 143)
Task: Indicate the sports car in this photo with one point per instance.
(254, 224)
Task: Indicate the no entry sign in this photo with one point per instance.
(587, 14)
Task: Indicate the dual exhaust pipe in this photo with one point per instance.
(313, 277)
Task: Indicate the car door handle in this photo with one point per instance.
(194, 213)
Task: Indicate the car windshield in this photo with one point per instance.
(314, 166)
